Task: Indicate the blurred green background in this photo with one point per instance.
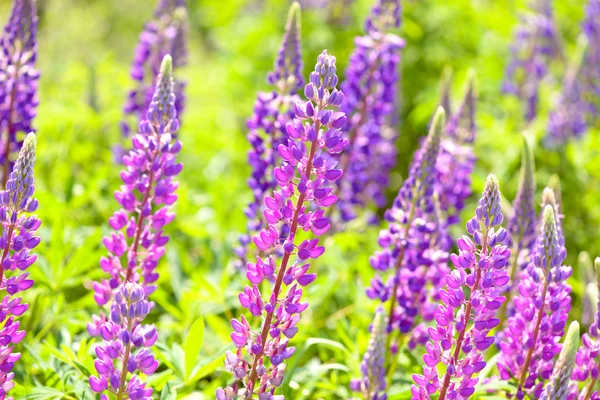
(85, 50)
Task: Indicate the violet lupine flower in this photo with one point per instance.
(267, 126)
(18, 81)
(456, 160)
(408, 244)
(530, 340)
(559, 385)
(372, 384)
(304, 179)
(590, 76)
(461, 333)
(535, 45)
(370, 103)
(587, 368)
(18, 239)
(166, 33)
(126, 347)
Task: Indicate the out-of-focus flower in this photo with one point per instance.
(558, 387)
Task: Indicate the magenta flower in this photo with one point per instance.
(304, 179)
(462, 325)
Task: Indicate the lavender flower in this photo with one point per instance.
(18, 239)
(558, 387)
(408, 244)
(535, 45)
(590, 76)
(304, 179)
(461, 333)
(541, 309)
(372, 384)
(587, 368)
(272, 111)
(18, 81)
(165, 34)
(135, 247)
(370, 103)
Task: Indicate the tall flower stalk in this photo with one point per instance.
(18, 82)
(540, 312)
(18, 239)
(304, 178)
(590, 76)
(559, 385)
(135, 247)
(462, 324)
(371, 102)
(267, 126)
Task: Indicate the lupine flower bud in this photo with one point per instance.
(445, 90)
(535, 45)
(530, 340)
(267, 127)
(372, 383)
(304, 178)
(558, 387)
(18, 81)
(18, 239)
(460, 335)
(370, 102)
(137, 244)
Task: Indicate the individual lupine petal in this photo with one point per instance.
(288, 64)
(540, 313)
(372, 384)
(463, 325)
(558, 386)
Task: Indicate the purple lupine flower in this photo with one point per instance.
(559, 385)
(272, 111)
(409, 249)
(530, 340)
(18, 239)
(304, 179)
(18, 81)
(461, 332)
(372, 384)
(535, 45)
(125, 347)
(590, 76)
(587, 368)
(166, 33)
(370, 103)
(456, 160)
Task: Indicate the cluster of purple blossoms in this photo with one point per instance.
(460, 335)
(138, 238)
(166, 33)
(17, 240)
(267, 126)
(304, 178)
(535, 45)
(590, 75)
(18, 81)
(409, 248)
(372, 384)
(370, 103)
(530, 339)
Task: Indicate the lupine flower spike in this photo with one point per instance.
(590, 77)
(135, 247)
(372, 384)
(530, 340)
(304, 178)
(587, 368)
(446, 90)
(460, 335)
(18, 81)
(18, 239)
(558, 387)
(536, 43)
(408, 244)
(371, 85)
(267, 127)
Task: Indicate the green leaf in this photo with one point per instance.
(193, 344)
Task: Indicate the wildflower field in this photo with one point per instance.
(266, 199)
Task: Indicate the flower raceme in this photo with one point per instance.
(18, 239)
(18, 81)
(304, 190)
(559, 385)
(147, 193)
(460, 335)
